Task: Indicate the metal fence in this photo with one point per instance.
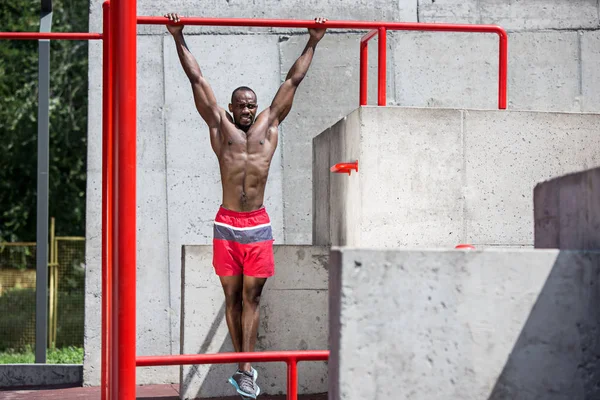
(66, 276)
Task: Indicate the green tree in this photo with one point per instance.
(18, 120)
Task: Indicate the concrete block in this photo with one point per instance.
(95, 20)
(408, 188)
(94, 122)
(439, 177)
(506, 154)
(590, 76)
(421, 201)
(439, 69)
(567, 212)
(344, 190)
(480, 325)
(321, 196)
(40, 375)
(293, 317)
(93, 275)
(514, 15)
(542, 81)
(327, 94)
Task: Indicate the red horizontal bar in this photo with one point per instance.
(293, 23)
(226, 358)
(50, 35)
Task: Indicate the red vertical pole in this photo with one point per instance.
(292, 380)
(124, 24)
(503, 72)
(382, 76)
(364, 72)
(107, 201)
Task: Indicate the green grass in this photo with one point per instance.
(67, 355)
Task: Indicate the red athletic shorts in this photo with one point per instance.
(243, 243)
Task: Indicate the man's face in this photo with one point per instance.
(243, 108)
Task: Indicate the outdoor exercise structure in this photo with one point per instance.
(119, 242)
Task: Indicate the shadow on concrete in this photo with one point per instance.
(557, 354)
(185, 381)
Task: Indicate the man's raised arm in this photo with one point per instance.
(204, 97)
(282, 103)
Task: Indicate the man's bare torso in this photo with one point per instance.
(244, 161)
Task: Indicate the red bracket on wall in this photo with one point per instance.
(465, 247)
(342, 168)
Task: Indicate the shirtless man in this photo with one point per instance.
(244, 144)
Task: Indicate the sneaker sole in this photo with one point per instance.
(242, 393)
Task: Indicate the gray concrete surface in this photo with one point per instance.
(553, 57)
(456, 70)
(438, 177)
(567, 212)
(493, 324)
(293, 317)
(29, 375)
(513, 15)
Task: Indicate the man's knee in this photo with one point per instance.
(251, 295)
(233, 295)
(233, 299)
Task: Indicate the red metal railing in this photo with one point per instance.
(107, 205)
(119, 165)
(123, 35)
(382, 66)
(381, 27)
(291, 358)
(364, 67)
(50, 35)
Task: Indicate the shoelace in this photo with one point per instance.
(246, 383)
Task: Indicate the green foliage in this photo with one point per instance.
(68, 355)
(18, 120)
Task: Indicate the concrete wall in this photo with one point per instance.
(567, 212)
(293, 317)
(553, 58)
(494, 324)
(439, 177)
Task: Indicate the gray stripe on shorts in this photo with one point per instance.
(243, 237)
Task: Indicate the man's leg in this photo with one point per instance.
(252, 290)
(232, 286)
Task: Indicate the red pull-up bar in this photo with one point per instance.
(380, 27)
(50, 35)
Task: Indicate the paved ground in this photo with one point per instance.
(160, 392)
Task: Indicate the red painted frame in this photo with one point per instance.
(119, 178)
(107, 205)
(291, 358)
(50, 35)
